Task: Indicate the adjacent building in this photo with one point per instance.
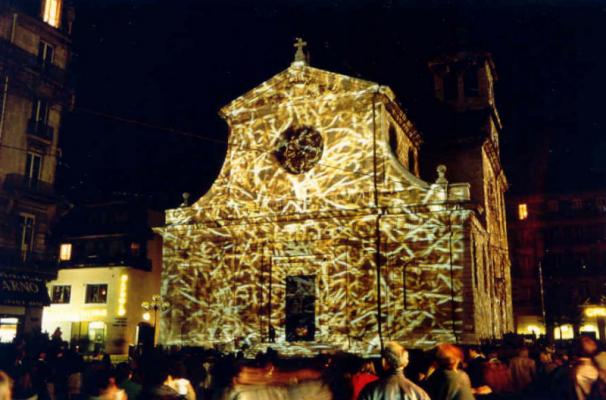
(35, 52)
(320, 233)
(110, 262)
(558, 253)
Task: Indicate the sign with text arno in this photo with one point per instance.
(23, 290)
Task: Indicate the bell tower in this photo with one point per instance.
(469, 135)
(464, 82)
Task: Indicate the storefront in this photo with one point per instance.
(22, 296)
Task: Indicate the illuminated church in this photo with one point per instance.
(319, 233)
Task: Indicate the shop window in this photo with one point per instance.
(300, 308)
(26, 234)
(61, 294)
(51, 14)
(563, 332)
(96, 335)
(9, 327)
(96, 294)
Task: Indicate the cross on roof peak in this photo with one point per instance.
(300, 55)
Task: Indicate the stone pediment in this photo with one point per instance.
(299, 81)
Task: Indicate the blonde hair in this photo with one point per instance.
(395, 355)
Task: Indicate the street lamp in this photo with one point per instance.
(156, 304)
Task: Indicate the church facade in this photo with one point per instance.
(319, 233)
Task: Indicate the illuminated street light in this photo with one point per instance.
(156, 304)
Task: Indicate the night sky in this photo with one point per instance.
(148, 71)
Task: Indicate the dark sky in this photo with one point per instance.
(173, 64)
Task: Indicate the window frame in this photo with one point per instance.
(86, 293)
(43, 53)
(31, 176)
(26, 248)
(69, 294)
(51, 12)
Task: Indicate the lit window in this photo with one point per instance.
(65, 252)
(61, 294)
(52, 12)
(522, 211)
(135, 248)
(96, 294)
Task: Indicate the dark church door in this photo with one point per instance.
(300, 308)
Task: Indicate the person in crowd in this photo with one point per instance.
(523, 370)
(105, 388)
(365, 374)
(598, 389)
(154, 387)
(475, 366)
(74, 378)
(448, 382)
(6, 386)
(395, 385)
(124, 380)
(584, 371)
(497, 375)
(177, 381)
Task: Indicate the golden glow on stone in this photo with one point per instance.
(226, 257)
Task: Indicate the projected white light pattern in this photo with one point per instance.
(226, 257)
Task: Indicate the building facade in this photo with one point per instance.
(34, 92)
(110, 263)
(320, 233)
(559, 263)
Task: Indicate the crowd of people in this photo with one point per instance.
(38, 368)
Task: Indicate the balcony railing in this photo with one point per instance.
(22, 183)
(15, 259)
(138, 262)
(40, 129)
(24, 59)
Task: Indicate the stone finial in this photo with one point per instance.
(185, 200)
(441, 175)
(300, 55)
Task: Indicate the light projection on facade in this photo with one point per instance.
(316, 235)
